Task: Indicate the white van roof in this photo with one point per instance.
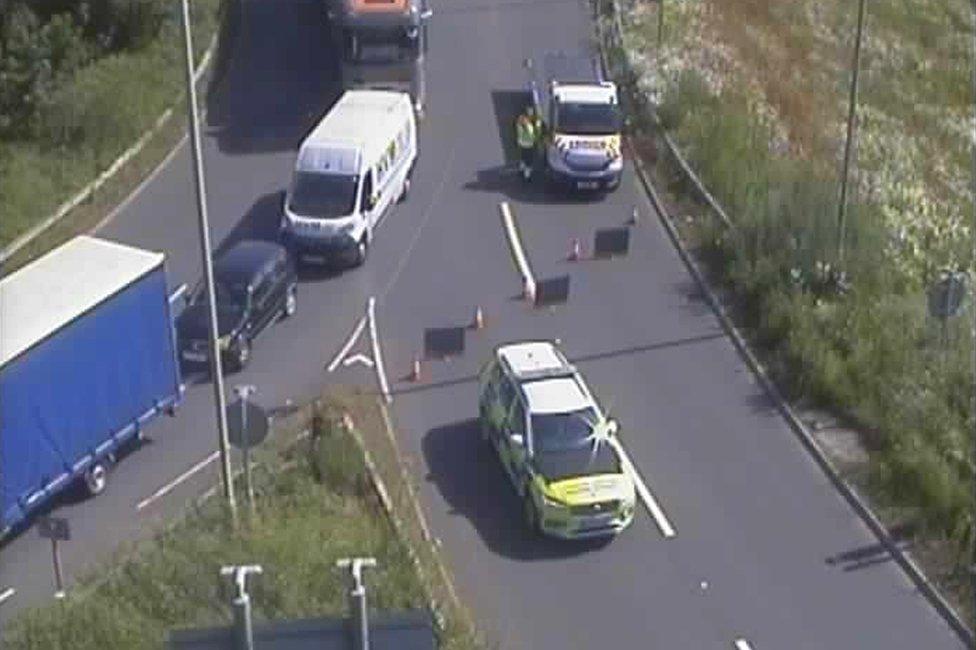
(50, 292)
(358, 125)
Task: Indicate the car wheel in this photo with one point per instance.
(291, 302)
(242, 354)
(96, 478)
(483, 424)
(529, 512)
(404, 191)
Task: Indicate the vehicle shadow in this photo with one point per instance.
(277, 74)
(468, 475)
(261, 221)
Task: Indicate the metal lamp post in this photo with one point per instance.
(852, 107)
(216, 371)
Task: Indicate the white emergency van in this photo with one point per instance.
(349, 171)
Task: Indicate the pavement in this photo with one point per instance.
(758, 527)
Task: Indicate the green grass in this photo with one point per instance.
(869, 352)
(91, 119)
(315, 504)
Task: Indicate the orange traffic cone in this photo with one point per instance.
(479, 319)
(575, 250)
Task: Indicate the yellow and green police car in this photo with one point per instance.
(554, 442)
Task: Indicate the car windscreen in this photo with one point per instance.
(553, 432)
(588, 119)
(323, 196)
(229, 294)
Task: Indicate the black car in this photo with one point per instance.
(255, 284)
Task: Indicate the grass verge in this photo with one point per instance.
(36, 177)
(848, 337)
(316, 502)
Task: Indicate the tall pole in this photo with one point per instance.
(852, 107)
(972, 306)
(243, 393)
(216, 371)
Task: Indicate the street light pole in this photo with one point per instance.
(216, 371)
(972, 306)
(852, 107)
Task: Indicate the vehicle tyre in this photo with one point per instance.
(96, 478)
(242, 354)
(404, 191)
(530, 513)
(291, 302)
(483, 425)
(362, 249)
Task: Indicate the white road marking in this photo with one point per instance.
(7, 594)
(742, 644)
(358, 358)
(377, 354)
(166, 489)
(516, 244)
(345, 348)
(650, 502)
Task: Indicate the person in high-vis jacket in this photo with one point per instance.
(527, 137)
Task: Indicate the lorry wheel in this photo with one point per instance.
(96, 478)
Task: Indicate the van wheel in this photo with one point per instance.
(96, 478)
(362, 248)
(404, 191)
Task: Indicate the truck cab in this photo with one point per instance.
(382, 44)
(583, 121)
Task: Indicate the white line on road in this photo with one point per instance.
(166, 489)
(377, 355)
(742, 644)
(345, 348)
(650, 502)
(516, 244)
(7, 594)
(359, 358)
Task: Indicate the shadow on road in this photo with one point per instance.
(872, 554)
(468, 475)
(275, 76)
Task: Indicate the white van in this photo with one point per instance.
(350, 169)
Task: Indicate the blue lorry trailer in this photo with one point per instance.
(87, 358)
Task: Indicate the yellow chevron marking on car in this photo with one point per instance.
(585, 490)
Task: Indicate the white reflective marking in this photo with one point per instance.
(377, 354)
(358, 358)
(345, 348)
(742, 644)
(7, 594)
(166, 489)
(650, 502)
(516, 244)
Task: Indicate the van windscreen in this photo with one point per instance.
(323, 196)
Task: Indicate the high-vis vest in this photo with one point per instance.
(525, 132)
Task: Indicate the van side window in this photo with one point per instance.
(367, 189)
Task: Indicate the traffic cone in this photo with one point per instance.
(575, 250)
(479, 319)
(414, 370)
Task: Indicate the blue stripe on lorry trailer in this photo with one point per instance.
(87, 358)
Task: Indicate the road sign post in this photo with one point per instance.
(247, 427)
(55, 529)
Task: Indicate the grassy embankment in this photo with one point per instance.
(91, 117)
(316, 502)
(755, 93)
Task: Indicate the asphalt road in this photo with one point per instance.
(765, 549)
